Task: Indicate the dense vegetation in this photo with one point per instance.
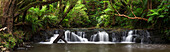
(23, 18)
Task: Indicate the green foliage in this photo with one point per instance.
(39, 17)
(10, 40)
(7, 40)
(91, 13)
(35, 23)
(161, 14)
(19, 36)
(77, 16)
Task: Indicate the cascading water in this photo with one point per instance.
(72, 37)
(51, 39)
(113, 37)
(129, 37)
(102, 37)
(67, 33)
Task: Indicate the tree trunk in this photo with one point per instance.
(113, 20)
(61, 34)
(149, 4)
(65, 14)
(10, 11)
(23, 17)
(11, 17)
(8, 15)
(5, 7)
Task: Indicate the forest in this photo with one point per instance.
(22, 19)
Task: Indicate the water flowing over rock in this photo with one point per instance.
(100, 37)
(103, 36)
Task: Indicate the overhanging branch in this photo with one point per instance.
(33, 5)
(128, 16)
(131, 17)
(65, 14)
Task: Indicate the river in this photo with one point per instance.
(117, 47)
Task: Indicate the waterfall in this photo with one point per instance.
(52, 39)
(72, 37)
(129, 37)
(67, 34)
(141, 36)
(79, 38)
(100, 36)
(93, 37)
(113, 37)
(103, 36)
(81, 34)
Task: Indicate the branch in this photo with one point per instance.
(33, 5)
(131, 9)
(65, 14)
(131, 17)
(114, 8)
(128, 16)
(21, 23)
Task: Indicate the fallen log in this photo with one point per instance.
(61, 34)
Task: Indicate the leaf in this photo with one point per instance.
(107, 10)
(153, 10)
(161, 16)
(150, 19)
(65, 19)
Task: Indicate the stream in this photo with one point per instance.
(101, 41)
(98, 48)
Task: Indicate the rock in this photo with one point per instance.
(1, 46)
(22, 48)
(7, 51)
(3, 49)
(29, 46)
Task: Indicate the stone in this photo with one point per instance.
(7, 51)
(1, 46)
(3, 49)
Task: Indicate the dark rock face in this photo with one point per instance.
(42, 36)
(158, 38)
(138, 36)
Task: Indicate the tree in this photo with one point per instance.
(14, 8)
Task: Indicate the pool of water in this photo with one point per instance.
(98, 48)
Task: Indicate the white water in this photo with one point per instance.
(129, 37)
(79, 38)
(67, 33)
(103, 36)
(99, 38)
(93, 37)
(51, 39)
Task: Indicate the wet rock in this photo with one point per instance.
(3, 49)
(22, 48)
(42, 36)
